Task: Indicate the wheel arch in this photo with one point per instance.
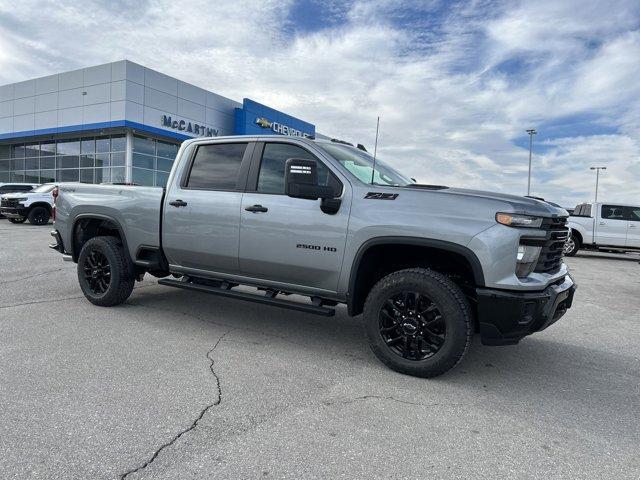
(362, 276)
(46, 205)
(95, 224)
(578, 235)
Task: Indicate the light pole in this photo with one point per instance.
(597, 169)
(531, 133)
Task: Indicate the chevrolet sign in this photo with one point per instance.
(280, 128)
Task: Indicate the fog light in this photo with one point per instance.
(526, 259)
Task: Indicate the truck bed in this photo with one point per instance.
(136, 210)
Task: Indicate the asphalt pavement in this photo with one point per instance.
(176, 384)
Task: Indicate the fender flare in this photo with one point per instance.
(40, 203)
(97, 216)
(468, 254)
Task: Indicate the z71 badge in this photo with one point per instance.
(381, 196)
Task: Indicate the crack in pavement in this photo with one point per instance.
(35, 302)
(53, 300)
(30, 276)
(390, 398)
(194, 424)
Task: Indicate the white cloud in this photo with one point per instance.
(451, 108)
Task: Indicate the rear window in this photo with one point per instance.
(582, 210)
(216, 166)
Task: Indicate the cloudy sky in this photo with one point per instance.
(455, 83)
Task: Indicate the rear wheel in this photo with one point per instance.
(17, 220)
(571, 246)
(418, 322)
(39, 216)
(105, 272)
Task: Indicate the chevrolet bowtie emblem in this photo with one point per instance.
(263, 122)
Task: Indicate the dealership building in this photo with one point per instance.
(117, 122)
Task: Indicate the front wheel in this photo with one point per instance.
(17, 220)
(418, 322)
(571, 246)
(104, 271)
(39, 216)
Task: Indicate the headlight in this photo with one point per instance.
(526, 259)
(23, 199)
(515, 220)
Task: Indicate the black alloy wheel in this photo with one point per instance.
(418, 322)
(412, 326)
(39, 216)
(97, 272)
(105, 271)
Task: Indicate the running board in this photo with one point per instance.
(276, 302)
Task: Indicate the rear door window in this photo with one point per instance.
(613, 212)
(216, 166)
(633, 214)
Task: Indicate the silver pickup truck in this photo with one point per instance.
(427, 266)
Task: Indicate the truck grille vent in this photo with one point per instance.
(8, 203)
(551, 255)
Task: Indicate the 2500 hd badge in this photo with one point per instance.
(306, 246)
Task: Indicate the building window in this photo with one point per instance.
(152, 160)
(141, 176)
(88, 159)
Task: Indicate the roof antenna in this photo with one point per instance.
(375, 150)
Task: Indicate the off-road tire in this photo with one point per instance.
(17, 220)
(451, 303)
(39, 216)
(572, 246)
(122, 277)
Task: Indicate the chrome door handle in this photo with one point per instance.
(603, 223)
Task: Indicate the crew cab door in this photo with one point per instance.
(291, 240)
(611, 226)
(201, 212)
(633, 229)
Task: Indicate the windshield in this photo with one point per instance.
(360, 164)
(47, 187)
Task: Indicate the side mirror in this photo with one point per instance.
(301, 180)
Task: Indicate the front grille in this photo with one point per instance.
(7, 202)
(551, 255)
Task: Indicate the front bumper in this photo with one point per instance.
(13, 212)
(505, 317)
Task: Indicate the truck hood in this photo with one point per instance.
(13, 195)
(10, 196)
(518, 204)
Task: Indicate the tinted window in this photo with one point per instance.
(14, 188)
(633, 214)
(274, 157)
(216, 167)
(613, 212)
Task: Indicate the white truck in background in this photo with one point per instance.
(35, 205)
(605, 226)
